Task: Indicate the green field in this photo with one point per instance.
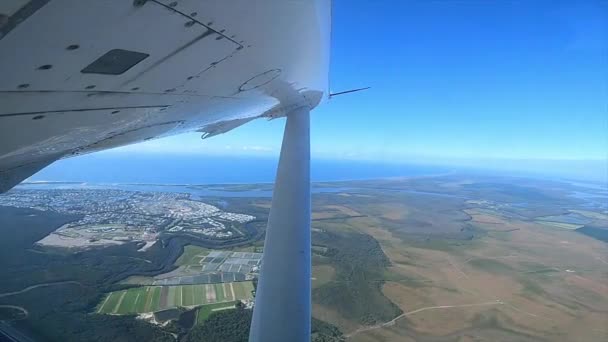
(171, 297)
(140, 304)
(110, 302)
(562, 225)
(242, 289)
(155, 302)
(128, 303)
(192, 255)
(206, 310)
(187, 296)
(148, 298)
(219, 292)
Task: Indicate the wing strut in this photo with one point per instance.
(282, 304)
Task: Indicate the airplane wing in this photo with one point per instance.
(81, 76)
(78, 76)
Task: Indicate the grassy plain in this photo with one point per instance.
(322, 274)
(192, 256)
(466, 261)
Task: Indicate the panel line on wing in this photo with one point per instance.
(197, 21)
(81, 110)
(172, 54)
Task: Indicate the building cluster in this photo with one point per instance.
(118, 214)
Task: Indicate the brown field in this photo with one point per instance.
(333, 211)
(483, 217)
(553, 303)
(521, 280)
(164, 295)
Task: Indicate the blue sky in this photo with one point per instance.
(452, 82)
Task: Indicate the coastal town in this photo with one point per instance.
(109, 216)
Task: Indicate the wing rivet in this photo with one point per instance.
(190, 23)
(135, 88)
(45, 67)
(23, 86)
(38, 117)
(173, 4)
(115, 112)
(193, 14)
(89, 87)
(72, 47)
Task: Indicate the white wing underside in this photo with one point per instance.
(82, 76)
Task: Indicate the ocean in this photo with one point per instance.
(181, 169)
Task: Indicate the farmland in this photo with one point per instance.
(428, 259)
(155, 298)
(199, 265)
(192, 256)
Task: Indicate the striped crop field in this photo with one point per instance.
(155, 298)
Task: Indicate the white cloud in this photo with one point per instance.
(194, 146)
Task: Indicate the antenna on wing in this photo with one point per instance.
(347, 91)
